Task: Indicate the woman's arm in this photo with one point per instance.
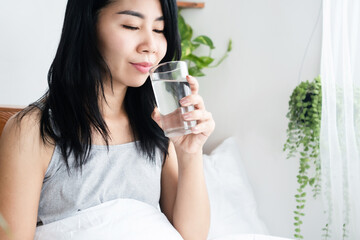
(184, 197)
(23, 162)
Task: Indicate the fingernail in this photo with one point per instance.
(195, 129)
(186, 116)
(184, 101)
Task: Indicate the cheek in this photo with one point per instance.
(116, 50)
(162, 48)
(111, 40)
(118, 44)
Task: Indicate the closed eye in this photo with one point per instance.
(137, 28)
(158, 31)
(130, 27)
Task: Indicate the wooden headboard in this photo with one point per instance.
(5, 113)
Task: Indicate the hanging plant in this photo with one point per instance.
(188, 45)
(303, 141)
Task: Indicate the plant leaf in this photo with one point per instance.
(205, 40)
(312, 181)
(229, 48)
(196, 72)
(184, 29)
(206, 61)
(201, 62)
(193, 58)
(185, 48)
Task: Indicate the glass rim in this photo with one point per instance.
(153, 69)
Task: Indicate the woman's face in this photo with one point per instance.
(131, 39)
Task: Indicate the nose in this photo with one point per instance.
(148, 43)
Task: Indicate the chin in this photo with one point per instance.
(138, 82)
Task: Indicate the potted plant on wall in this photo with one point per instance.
(189, 44)
(303, 141)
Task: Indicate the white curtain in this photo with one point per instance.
(340, 124)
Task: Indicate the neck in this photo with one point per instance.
(113, 112)
(113, 104)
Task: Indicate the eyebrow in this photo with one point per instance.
(139, 15)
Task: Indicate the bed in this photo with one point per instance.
(5, 113)
(234, 213)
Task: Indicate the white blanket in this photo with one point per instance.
(117, 219)
(249, 237)
(121, 219)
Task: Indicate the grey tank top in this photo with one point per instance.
(121, 172)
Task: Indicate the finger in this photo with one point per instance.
(206, 128)
(194, 84)
(156, 116)
(199, 115)
(193, 99)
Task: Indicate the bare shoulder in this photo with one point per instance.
(20, 121)
(21, 135)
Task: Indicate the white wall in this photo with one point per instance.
(29, 34)
(248, 94)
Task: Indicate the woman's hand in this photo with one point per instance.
(192, 143)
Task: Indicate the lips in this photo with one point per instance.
(142, 67)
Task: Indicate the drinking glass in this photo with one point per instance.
(170, 86)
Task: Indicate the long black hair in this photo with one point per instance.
(70, 108)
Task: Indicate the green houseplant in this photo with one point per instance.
(303, 140)
(189, 44)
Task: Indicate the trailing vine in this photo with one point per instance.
(303, 141)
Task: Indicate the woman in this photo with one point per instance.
(95, 135)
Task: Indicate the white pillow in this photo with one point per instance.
(233, 206)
